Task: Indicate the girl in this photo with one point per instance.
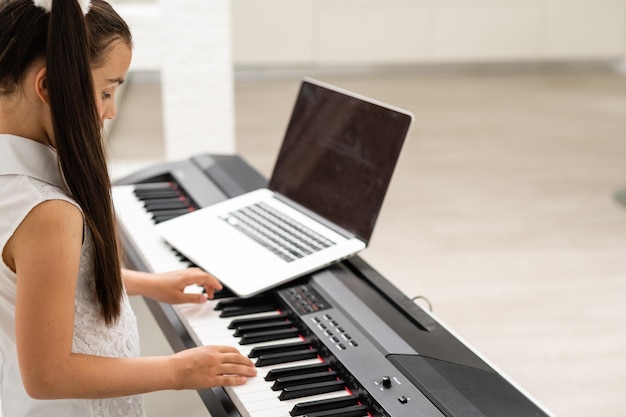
(66, 329)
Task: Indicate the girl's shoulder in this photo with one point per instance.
(38, 220)
(19, 191)
(20, 194)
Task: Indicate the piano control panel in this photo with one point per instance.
(337, 337)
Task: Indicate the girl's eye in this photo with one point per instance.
(106, 96)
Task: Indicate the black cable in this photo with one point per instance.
(421, 297)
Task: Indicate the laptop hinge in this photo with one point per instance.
(334, 227)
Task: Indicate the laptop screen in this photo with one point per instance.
(338, 155)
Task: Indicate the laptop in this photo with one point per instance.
(322, 201)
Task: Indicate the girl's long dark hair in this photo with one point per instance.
(72, 44)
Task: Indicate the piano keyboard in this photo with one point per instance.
(320, 394)
(297, 374)
(292, 380)
(139, 208)
(342, 342)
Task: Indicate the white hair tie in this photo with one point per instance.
(47, 5)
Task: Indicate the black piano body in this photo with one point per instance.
(421, 369)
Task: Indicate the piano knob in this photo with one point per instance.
(386, 382)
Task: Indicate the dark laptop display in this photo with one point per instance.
(337, 157)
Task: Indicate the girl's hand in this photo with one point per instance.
(169, 287)
(211, 366)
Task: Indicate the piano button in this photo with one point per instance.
(285, 347)
(266, 336)
(277, 358)
(324, 405)
(311, 389)
(352, 411)
(275, 325)
(255, 320)
(307, 378)
(273, 374)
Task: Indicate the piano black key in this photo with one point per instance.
(244, 302)
(275, 325)
(352, 411)
(286, 347)
(157, 193)
(172, 212)
(234, 311)
(308, 390)
(324, 405)
(296, 380)
(244, 306)
(223, 293)
(159, 218)
(268, 336)
(154, 186)
(286, 357)
(166, 204)
(273, 374)
(254, 320)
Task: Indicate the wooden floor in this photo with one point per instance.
(501, 211)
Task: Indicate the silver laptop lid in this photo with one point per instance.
(338, 155)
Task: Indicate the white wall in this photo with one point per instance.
(314, 33)
(194, 46)
(189, 43)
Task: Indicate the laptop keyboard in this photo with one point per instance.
(280, 234)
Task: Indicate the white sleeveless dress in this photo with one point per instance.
(29, 175)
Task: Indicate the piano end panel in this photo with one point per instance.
(230, 173)
(462, 391)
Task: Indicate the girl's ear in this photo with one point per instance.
(41, 85)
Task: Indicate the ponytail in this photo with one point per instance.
(79, 143)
